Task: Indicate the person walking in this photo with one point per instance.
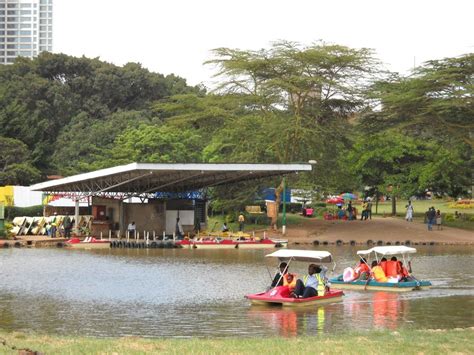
(369, 208)
(409, 215)
(431, 218)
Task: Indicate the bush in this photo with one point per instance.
(449, 218)
(12, 212)
(319, 204)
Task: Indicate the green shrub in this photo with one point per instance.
(449, 218)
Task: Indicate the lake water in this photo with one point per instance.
(187, 293)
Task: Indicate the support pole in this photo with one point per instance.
(76, 217)
(283, 228)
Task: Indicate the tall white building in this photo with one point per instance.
(26, 28)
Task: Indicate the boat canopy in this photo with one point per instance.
(388, 250)
(302, 255)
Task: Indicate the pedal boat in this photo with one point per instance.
(88, 243)
(372, 285)
(208, 243)
(250, 243)
(280, 295)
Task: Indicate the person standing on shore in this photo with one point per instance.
(241, 221)
(67, 224)
(409, 215)
(438, 220)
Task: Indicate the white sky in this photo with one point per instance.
(176, 36)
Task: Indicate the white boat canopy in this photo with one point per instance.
(388, 250)
(302, 255)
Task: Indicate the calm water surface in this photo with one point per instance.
(184, 293)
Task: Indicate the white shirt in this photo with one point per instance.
(132, 227)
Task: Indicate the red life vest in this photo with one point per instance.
(383, 265)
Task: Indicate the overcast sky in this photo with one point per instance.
(176, 36)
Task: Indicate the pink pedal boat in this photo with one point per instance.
(280, 295)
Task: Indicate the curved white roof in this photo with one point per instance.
(302, 255)
(388, 250)
(147, 177)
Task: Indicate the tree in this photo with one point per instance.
(15, 167)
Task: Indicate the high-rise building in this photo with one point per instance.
(26, 28)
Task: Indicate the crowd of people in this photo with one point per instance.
(351, 213)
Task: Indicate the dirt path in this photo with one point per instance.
(378, 229)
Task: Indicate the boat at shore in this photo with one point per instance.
(88, 243)
(241, 243)
(280, 295)
(412, 284)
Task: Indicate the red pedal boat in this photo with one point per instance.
(280, 295)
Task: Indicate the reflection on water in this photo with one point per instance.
(184, 293)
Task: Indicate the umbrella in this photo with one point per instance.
(348, 196)
(335, 200)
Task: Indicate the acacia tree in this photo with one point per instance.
(433, 105)
(301, 98)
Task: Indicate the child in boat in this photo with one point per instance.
(289, 280)
(377, 272)
(278, 279)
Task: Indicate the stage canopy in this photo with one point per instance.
(145, 180)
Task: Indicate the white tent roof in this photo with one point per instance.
(388, 250)
(142, 178)
(302, 255)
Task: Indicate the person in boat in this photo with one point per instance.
(278, 279)
(312, 284)
(392, 269)
(383, 264)
(377, 272)
(404, 274)
(362, 270)
(289, 280)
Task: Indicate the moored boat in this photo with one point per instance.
(280, 295)
(411, 284)
(207, 243)
(88, 243)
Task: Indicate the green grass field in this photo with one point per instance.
(384, 208)
(457, 341)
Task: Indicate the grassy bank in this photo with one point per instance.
(377, 342)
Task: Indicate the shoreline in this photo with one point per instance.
(401, 341)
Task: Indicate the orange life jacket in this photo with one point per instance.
(379, 274)
(383, 265)
(392, 268)
(362, 267)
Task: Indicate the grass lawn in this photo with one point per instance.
(375, 342)
(421, 206)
